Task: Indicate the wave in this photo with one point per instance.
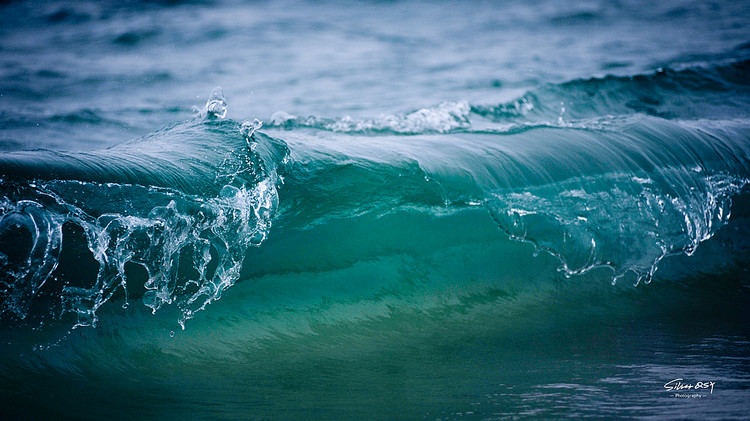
(717, 92)
(180, 215)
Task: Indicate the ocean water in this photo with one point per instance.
(374, 210)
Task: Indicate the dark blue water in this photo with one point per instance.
(389, 210)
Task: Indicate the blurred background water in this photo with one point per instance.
(389, 210)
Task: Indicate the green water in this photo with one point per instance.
(392, 210)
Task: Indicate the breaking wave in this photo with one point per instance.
(613, 174)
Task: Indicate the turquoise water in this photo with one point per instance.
(397, 210)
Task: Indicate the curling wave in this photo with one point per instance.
(180, 215)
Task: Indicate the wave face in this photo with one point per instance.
(475, 211)
(168, 218)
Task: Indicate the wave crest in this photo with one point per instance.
(445, 117)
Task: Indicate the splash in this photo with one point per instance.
(625, 223)
(158, 245)
(216, 106)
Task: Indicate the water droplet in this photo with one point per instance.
(249, 127)
(216, 106)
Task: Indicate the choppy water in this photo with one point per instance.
(392, 210)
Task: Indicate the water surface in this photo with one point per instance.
(389, 210)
